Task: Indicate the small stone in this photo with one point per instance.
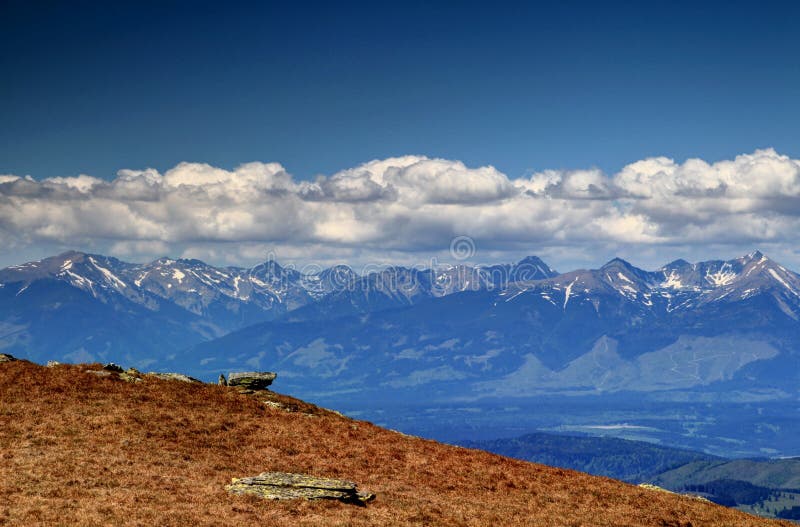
(287, 486)
(251, 380)
(53, 363)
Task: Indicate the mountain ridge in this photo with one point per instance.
(211, 302)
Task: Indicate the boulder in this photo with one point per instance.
(116, 368)
(221, 380)
(288, 486)
(53, 363)
(251, 380)
(5, 357)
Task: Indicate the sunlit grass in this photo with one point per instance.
(77, 449)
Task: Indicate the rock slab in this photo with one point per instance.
(172, 376)
(251, 380)
(288, 486)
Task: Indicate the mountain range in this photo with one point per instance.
(709, 331)
(709, 325)
(91, 307)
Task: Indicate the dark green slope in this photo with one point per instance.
(633, 461)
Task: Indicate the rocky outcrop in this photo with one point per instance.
(656, 488)
(131, 375)
(288, 486)
(173, 377)
(5, 357)
(251, 380)
(99, 373)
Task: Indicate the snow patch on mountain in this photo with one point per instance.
(567, 293)
(783, 282)
(724, 276)
(672, 281)
(110, 277)
(178, 275)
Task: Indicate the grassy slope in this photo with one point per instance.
(77, 449)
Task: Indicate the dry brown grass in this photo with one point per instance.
(77, 449)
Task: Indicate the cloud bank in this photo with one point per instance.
(407, 205)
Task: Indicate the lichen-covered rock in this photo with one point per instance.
(173, 377)
(99, 373)
(131, 375)
(276, 404)
(656, 488)
(53, 363)
(221, 380)
(251, 380)
(288, 486)
(5, 357)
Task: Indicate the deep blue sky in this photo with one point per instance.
(95, 87)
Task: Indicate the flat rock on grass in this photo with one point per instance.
(288, 486)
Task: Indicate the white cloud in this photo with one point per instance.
(419, 180)
(83, 184)
(575, 184)
(408, 206)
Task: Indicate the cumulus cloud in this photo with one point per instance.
(406, 205)
(574, 184)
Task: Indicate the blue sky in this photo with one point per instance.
(96, 87)
(322, 87)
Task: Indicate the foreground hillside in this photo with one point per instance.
(81, 449)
